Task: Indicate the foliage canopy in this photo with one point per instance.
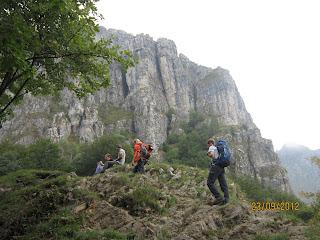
(49, 45)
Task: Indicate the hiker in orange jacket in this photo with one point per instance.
(141, 154)
(136, 151)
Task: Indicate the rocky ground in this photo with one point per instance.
(180, 207)
(164, 203)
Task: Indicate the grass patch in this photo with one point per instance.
(62, 225)
(278, 236)
(27, 177)
(34, 197)
(142, 200)
(313, 231)
(121, 180)
(101, 235)
(171, 201)
(254, 191)
(65, 225)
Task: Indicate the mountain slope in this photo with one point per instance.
(118, 204)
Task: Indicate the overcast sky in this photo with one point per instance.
(270, 47)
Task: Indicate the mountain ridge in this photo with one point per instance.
(152, 100)
(303, 173)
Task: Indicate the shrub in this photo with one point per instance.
(255, 191)
(313, 231)
(32, 200)
(42, 154)
(45, 155)
(190, 148)
(86, 160)
(37, 206)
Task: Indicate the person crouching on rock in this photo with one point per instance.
(99, 167)
(216, 172)
(108, 161)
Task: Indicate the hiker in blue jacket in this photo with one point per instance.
(216, 172)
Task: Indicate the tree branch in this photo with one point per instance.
(5, 83)
(63, 56)
(15, 96)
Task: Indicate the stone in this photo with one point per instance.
(80, 208)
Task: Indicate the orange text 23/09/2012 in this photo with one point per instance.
(274, 206)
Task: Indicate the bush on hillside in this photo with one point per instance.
(65, 156)
(42, 154)
(45, 155)
(190, 148)
(86, 160)
(10, 157)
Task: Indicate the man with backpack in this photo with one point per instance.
(141, 154)
(220, 156)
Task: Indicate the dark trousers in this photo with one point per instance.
(139, 168)
(109, 164)
(215, 173)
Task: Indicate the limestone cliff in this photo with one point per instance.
(139, 101)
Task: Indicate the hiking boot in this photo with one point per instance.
(223, 202)
(217, 201)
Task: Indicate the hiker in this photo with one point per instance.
(141, 154)
(108, 161)
(216, 172)
(121, 159)
(99, 168)
(138, 165)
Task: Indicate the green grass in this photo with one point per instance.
(101, 235)
(277, 236)
(65, 225)
(313, 231)
(26, 177)
(254, 191)
(142, 200)
(122, 179)
(34, 198)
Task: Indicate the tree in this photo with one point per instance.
(48, 45)
(316, 160)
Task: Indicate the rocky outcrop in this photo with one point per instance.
(255, 157)
(189, 211)
(150, 100)
(38, 204)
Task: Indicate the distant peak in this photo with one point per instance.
(294, 146)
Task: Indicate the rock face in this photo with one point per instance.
(140, 101)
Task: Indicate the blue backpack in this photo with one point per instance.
(224, 154)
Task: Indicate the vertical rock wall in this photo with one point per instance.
(140, 100)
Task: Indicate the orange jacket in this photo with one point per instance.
(136, 152)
